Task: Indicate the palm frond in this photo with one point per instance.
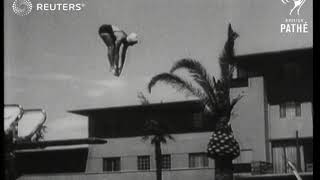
(156, 131)
(234, 102)
(145, 137)
(226, 59)
(142, 98)
(199, 74)
(177, 83)
(214, 81)
(161, 138)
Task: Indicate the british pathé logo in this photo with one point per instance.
(293, 23)
(22, 7)
(296, 5)
(294, 26)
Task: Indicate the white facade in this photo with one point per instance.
(286, 127)
(128, 149)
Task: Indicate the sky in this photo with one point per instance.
(56, 60)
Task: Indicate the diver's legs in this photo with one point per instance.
(108, 40)
(123, 56)
(116, 64)
(111, 57)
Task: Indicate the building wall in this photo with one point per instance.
(281, 128)
(248, 118)
(182, 174)
(129, 148)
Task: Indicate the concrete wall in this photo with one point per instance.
(129, 148)
(286, 127)
(248, 118)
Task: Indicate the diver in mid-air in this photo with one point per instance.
(115, 39)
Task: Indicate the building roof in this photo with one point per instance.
(61, 142)
(275, 57)
(288, 74)
(53, 148)
(129, 121)
(149, 107)
(288, 53)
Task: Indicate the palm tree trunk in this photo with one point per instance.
(158, 160)
(223, 169)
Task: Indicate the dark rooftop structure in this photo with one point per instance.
(288, 75)
(128, 121)
(51, 161)
(170, 106)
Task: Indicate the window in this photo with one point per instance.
(241, 73)
(235, 72)
(285, 151)
(292, 72)
(238, 72)
(198, 160)
(298, 109)
(143, 162)
(111, 164)
(290, 110)
(282, 110)
(308, 156)
(197, 120)
(166, 161)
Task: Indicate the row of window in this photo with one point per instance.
(290, 109)
(287, 110)
(196, 160)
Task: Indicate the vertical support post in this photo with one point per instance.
(298, 152)
(285, 159)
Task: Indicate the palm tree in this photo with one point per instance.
(214, 95)
(158, 133)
